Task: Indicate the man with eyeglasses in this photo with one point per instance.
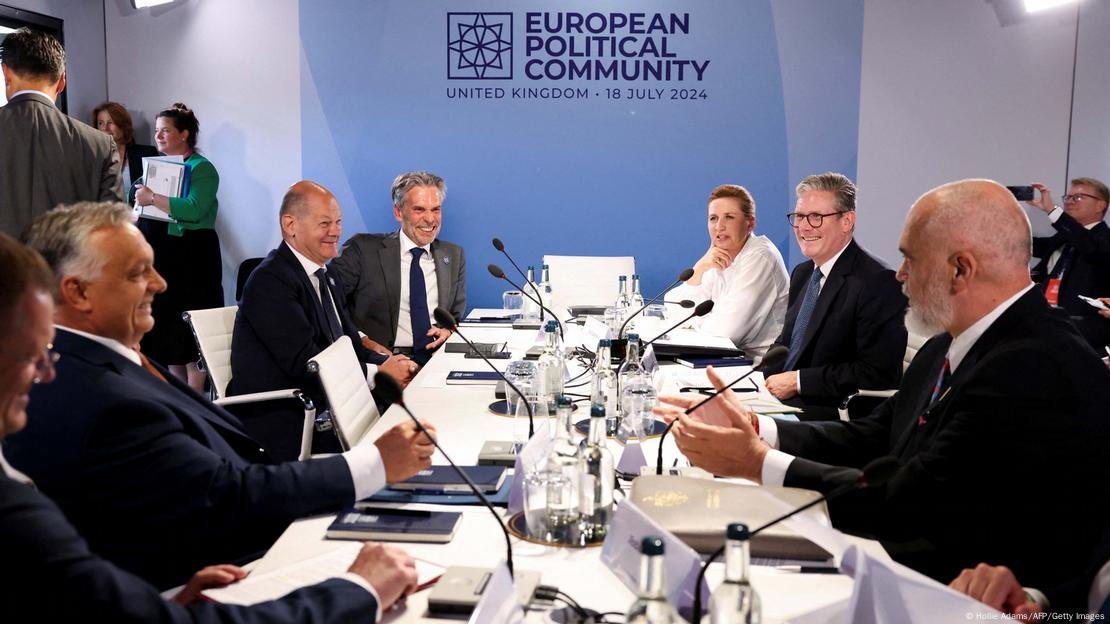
(1076, 259)
(49, 573)
(843, 325)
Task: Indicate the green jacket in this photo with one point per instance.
(197, 210)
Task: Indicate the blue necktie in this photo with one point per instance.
(798, 334)
(331, 320)
(418, 309)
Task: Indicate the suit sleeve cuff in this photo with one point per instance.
(1055, 214)
(371, 370)
(775, 465)
(1038, 597)
(367, 469)
(769, 431)
(363, 583)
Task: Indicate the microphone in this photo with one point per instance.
(775, 356)
(686, 303)
(390, 391)
(499, 246)
(703, 308)
(496, 271)
(682, 277)
(447, 320)
(875, 473)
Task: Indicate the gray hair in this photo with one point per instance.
(984, 218)
(405, 182)
(62, 236)
(838, 183)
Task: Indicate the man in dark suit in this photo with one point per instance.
(1076, 260)
(843, 325)
(49, 573)
(390, 297)
(1008, 400)
(46, 158)
(158, 479)
(283, 321)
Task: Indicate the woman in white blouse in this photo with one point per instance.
(742, 273)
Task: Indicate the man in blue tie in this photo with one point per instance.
(843, 323)
(393, 281)
(292, 308)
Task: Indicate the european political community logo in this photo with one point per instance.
(479, 46)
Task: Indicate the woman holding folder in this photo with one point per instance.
(186, 250)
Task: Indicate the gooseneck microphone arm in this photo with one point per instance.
(703, 308)
(682, 277)
(391, 391)
(447, 320)
(774, 357)
(496, 271)
(499, 246)
(875, 473)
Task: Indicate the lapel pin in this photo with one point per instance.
(446, 260)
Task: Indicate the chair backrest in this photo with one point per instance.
(246, 267)
(212, 330)
(587, 280)
(352, 407)
(913, 343)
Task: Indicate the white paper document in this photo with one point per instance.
(273, 585)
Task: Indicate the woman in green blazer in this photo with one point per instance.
(186, 252)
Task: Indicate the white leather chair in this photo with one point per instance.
(212, 329)
(914, 342)
(352, 407)
(587, 280)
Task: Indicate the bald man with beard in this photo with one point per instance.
(1006, 400)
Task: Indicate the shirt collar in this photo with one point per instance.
(35, 91)
(961, 344)
(10, 470)
(828, 266)
(111, 343)
(309, 266)
(407, 245)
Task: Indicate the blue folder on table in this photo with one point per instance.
(500, 498)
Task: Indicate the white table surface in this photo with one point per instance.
(463, 421)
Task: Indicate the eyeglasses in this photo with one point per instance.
(43, 363)
(1074, 197)
(815, 219)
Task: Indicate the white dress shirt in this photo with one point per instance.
(777, 463)
(310, 269)
(431, 286)
(45, 95)
(749, 297)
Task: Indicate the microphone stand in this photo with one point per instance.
(499, 246)
(682, 277)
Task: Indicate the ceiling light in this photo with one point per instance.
(1033, 6)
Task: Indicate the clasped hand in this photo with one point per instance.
(718, 436)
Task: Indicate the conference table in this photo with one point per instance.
(464, 422)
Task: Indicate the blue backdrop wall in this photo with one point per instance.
(565, 128)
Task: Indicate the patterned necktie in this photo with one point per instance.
(798, 334)
(938, 389)
(331, 321)
(418, 309)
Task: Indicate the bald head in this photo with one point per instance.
(311, 222)
(980, 217)
(966, 248)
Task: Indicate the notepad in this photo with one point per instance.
(364, 522)
(444, 479)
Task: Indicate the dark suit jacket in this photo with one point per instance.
(1009, 467)
(371, 270)
(48, 158)
(49, 575)
(856, 338)
(1088, 274)
(279, 328)
(135, 155)
(158, 479)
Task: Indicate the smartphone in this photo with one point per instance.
(1022, 193)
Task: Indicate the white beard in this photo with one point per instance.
(932, 316)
